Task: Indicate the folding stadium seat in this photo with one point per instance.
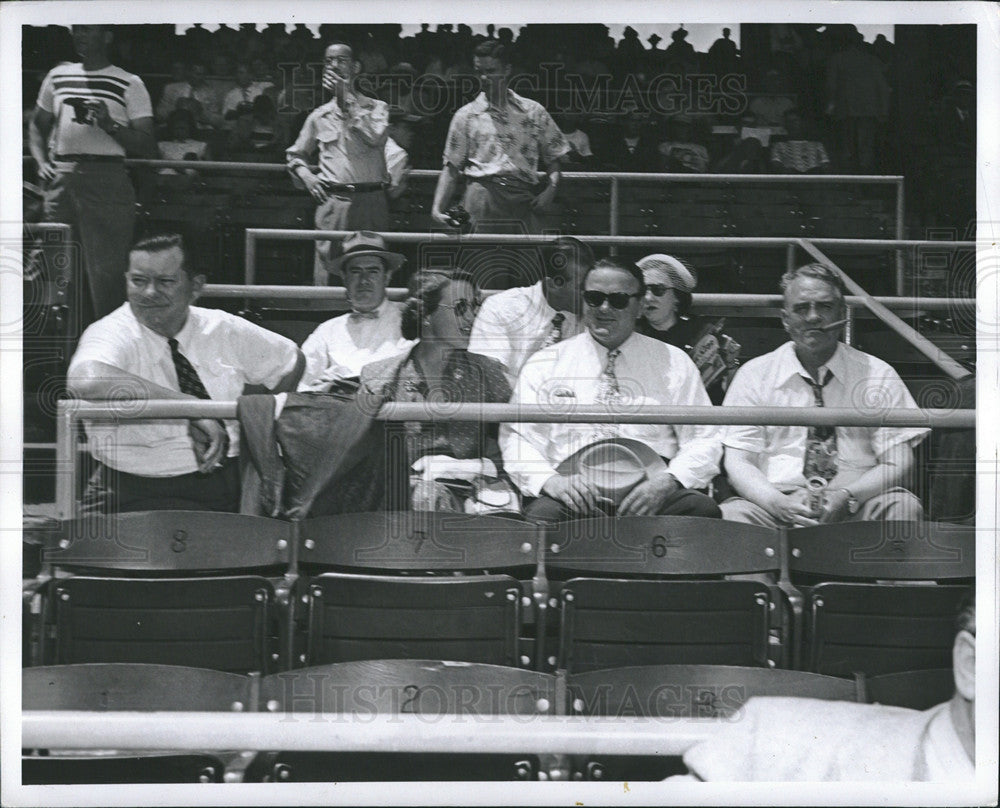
(115, 687)
(881, 596)
(126, 602)
(472, 617)
(471, 692)
(682, 691)
(918, 690)
(675, 607)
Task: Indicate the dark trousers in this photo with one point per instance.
(98, 200)
(682, 502)
(111, 491)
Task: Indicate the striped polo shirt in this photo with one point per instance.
(124, 93)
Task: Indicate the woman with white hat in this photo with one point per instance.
(666, 316)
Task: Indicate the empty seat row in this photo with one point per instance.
(246, 594)
(428, 687)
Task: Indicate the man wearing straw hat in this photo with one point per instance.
(338, 349)
(797, 476)
(630, 469)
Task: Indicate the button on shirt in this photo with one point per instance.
(340, 347)
(860, 382)
(512, 325)
(567, 376)
(226, 351)
(350, 143)
(484, 141)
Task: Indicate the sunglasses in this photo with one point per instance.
(461, 307)
(658, 289)
(618, 300)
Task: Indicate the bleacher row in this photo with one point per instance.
(660, 616)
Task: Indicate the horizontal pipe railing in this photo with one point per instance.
(339, 293)
(333, 732)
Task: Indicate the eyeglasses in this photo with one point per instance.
(658, 289)
(462, 307)
(618, 300)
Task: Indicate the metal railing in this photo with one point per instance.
(70, 412)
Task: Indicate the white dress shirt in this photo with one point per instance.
(513, 324)
(567, 375)
(340, 347)
(226, 351)
(945, 759)
(860, 382)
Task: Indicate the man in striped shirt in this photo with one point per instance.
(88, 116)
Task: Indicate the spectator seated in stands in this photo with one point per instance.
(159, 346)
(666, 316)
(449, 465)
(634, 148)
(180, 143)
(337, 350)
(269, 136)
(239, 144)
(580, 154)
(769, 107)
(245, 91)
(514, 324)
(795, 153)
(195, 94)
(680, 153)
(799, 739)
(794, 476)
(611, 366)
(746, 157)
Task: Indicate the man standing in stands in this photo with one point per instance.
(88, 116)
(338, 349)
(496, 142)
(795, 476)
(349, 131)
(159, 346)
(514, 324)
(611, 366)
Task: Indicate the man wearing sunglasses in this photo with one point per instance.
(514, 324)
(610, 366)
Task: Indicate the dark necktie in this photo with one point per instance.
(555, 330)
(364, 315)
(821, 441)
(187, 376)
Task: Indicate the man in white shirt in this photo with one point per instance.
(514, 324)
(800, 739)
(339, 348)
(88, 117)
(857, 473)
(159, 346)
(245, 91)
(610, 365)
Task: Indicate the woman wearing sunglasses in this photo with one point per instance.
(449, 465)
(666, 317)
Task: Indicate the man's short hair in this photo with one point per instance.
(492, 49)
(966, 619)
(161, 242)
(622, 266)
(820, 272)
(565, 249)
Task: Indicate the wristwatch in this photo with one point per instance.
(852, 502)
(114, 129)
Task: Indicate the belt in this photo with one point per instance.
(88, 158)
(354, 187)
(504, 181)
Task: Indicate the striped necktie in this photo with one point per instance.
(821, 441)
(187, 376)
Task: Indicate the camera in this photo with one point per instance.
(84, 110)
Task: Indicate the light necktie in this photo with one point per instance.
(608, 391)
(554, 334)
(364, 315)
(821, 441)
(187, 376)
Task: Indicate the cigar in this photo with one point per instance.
(833, 325)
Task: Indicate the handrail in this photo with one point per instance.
(69, 411)
(306, 732)
(339, 293)
(954, 369)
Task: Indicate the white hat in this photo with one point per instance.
(678, 274)
(614, 465)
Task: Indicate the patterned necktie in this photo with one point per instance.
(608, 391)
(555, 330)
(821, 441)
(187, 376)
